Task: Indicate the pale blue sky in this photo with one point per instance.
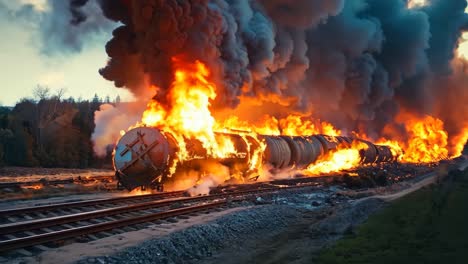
(23, 67)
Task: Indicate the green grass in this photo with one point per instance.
(428, 226)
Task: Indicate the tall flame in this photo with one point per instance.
(189, 115)
(424, 140)
(427, 140)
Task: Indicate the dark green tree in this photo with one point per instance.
(49, 131)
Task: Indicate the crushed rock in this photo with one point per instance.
(195, 243)
(241, 232)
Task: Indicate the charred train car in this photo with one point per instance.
(144, 155)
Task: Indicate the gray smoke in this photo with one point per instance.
(65, 26)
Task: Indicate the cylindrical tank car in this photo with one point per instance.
(144, 155)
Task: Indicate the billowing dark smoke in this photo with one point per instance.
(63, 26)
(357, 63)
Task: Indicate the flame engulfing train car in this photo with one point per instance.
(144, 156)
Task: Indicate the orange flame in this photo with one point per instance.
(189, 115)
(460, 141)
(344, 158)
(427, 142)
(292, 125)
(33, 186)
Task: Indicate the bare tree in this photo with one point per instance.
(60, 93)
(41, 92)
(58, 96)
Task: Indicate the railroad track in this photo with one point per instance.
(39, 234)
(46, 211)
(43, 211)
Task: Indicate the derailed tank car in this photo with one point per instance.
(144, 155)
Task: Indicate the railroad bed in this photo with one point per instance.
(30, 230)
(70, 180)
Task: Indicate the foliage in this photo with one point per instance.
(49, 131)
(428, 226)
(5, 136)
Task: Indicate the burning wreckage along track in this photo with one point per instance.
(147, 156)
(55, 223)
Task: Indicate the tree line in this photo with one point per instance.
(50, 131)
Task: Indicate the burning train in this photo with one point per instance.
(247, 65)
(147, 156)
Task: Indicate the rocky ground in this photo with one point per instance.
(290, 229)
(302, 221)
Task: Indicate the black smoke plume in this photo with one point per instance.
(357, 63)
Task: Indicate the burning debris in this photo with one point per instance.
(224, 72)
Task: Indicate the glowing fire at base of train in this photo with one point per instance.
(147, 156)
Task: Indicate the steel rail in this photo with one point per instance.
(60, 220)
(32, 209)
(16, 243)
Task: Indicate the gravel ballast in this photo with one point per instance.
(197, 242)
(240, 231)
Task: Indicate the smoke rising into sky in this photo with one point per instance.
(355, 63)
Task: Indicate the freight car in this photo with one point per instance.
(144, 156)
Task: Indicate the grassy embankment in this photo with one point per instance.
(428, 226)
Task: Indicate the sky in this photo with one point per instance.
(23, 66)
